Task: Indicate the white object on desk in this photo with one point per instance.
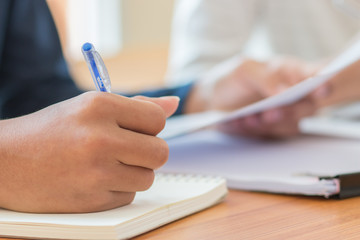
(171, 197)
(330, 126)
(341, 121)
(291, 166)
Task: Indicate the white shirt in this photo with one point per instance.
(207, 32)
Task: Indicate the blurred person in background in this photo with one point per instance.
(208, 32)
(268, 45)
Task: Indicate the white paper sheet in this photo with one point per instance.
(187, 123)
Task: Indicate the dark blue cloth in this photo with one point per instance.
(33, 72)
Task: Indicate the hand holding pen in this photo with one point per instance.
(90, 153)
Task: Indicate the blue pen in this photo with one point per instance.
(97, 68)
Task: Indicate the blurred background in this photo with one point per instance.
(135, 50)
(133, 36)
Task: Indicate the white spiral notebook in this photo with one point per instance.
(306, 165)
(171, 197)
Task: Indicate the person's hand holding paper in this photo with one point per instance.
(240, 82)
(344, 86)
(334, 83)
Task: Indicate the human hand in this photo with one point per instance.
(280, 122)
(238, 83)
(86, 154)
(342, 88)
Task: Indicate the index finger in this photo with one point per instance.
(131, 114)
(141, 116)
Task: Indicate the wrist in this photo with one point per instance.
(197, 100)
(221, 87)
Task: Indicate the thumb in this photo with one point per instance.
(168, 103)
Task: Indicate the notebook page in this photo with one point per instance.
(166, 190)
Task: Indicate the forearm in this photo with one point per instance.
(344, 87)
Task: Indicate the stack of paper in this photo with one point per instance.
(305, 165)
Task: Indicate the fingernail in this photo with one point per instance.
(321, 92)
(272, 116)
(171, 97)
(252, 121)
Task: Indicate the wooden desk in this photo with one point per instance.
(246, 215)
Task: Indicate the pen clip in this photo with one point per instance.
(104, 81)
